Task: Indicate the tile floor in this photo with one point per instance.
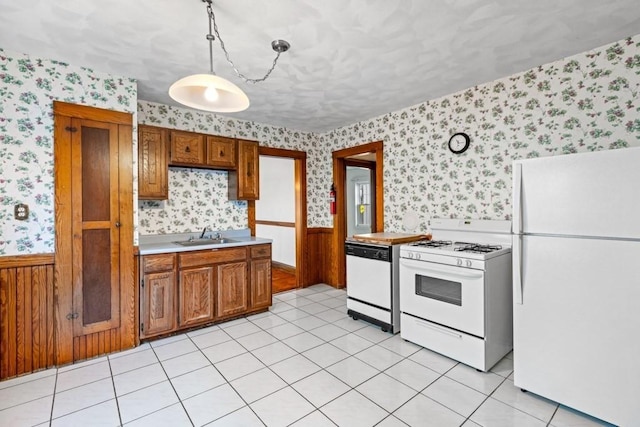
(303, 363)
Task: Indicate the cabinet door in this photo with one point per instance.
(187, 149)
(152, 163)
(196, 296)
(96, 227)
(244, 183)
(232, 288)
(221, 152)
(158, 307)
(261, 283)
(95, 290)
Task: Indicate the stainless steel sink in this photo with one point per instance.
(202, 242)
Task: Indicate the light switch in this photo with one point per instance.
(21, 212)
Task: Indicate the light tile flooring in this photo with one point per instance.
(303, 363)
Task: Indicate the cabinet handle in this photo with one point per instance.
(72, 316)
(187, 149)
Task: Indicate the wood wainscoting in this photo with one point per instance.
(320, 255)
(27, 336)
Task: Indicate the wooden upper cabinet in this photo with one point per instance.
(244, 182)
(152, 163)
(221, 152)
(187, 149)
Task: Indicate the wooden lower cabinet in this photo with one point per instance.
(190, 289)
(260, 283)
(195, 296)
(159, 315)
(158, 295)
(232, 289)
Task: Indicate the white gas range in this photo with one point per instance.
(455, 291)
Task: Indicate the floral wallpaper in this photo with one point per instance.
(28, 87)
(587, 102)
(590, 101)
(198, 198)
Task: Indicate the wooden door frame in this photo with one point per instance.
(63, 258)
(300, 186)
(338, 266)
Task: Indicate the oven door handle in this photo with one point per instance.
(426, 267)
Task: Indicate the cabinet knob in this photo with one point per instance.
(118, 224)
(221, 153)
(72, 316)
(187, 149)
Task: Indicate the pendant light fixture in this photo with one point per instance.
(210, 92)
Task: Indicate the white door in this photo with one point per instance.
(576, 326)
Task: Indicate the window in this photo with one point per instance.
(363, 204)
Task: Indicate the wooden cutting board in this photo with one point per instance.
(385, 238)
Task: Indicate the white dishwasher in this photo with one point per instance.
(372, 284)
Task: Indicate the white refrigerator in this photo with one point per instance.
(576, 279)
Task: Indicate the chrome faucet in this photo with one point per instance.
(203, 232)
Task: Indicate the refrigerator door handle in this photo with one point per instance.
(517, 269)
(517, 197)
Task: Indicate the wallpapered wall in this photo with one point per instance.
(28, 87)
(586, 102)
(198, 198)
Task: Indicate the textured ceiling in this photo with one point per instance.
(350, 60)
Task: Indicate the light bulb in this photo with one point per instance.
(211, 94)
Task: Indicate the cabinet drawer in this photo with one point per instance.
(187, 148)
(213, 256)
(160, 262)
(221, 152)
(260, 251)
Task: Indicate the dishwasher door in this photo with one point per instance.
(369, 274)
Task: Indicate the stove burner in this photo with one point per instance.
(432, 243)
(478, 249)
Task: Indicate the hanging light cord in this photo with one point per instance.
(212, 18)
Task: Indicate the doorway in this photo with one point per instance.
(369, 156)
(360, 190)
(284, 275)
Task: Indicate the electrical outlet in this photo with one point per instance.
(21, 212)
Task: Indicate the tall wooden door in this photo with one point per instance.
(94, 233)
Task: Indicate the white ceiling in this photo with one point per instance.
(350, 60)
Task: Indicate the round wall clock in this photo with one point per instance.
(459, 142)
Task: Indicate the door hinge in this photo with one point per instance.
(71, 129)
(142, 283)
(142, 327)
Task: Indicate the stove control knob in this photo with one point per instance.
(459, 262)
(410, 254)
(468, 263)
(417, 256)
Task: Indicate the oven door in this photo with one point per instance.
(448, 295)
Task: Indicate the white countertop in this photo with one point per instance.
(150, 244)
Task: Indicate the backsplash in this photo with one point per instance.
(586, 102)
(197, 199)
(28, 87)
